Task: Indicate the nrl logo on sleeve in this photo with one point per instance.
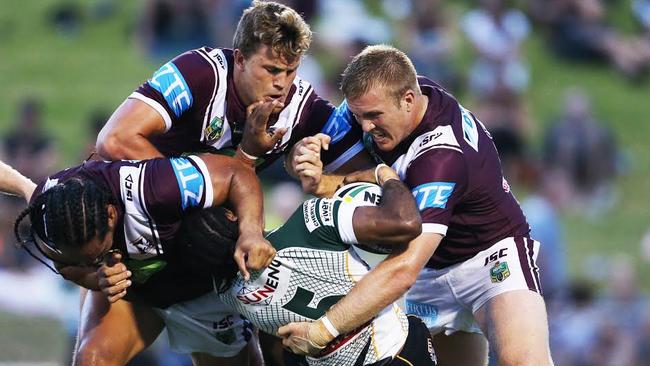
(214, 129)
(499, 272)
(267, 288)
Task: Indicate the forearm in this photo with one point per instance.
(14, 183)
(376, 290)
(83, 276)
(245, 197)
(384, 284)
(136, 147)
(398, 220)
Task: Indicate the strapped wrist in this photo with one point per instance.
(329, 326)
(377, 171)
(246, 157)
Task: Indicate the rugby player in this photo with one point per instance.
(130, 211)
(480, 277)
(246, 101)
(319, 259)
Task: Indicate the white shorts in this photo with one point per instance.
(207, 325)
(446, 299)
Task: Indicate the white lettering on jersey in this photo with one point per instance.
(442, 137)
(140, 233)
(311, 217)
(268, 288)
(218, 101)
(326, 212)
(470, 131)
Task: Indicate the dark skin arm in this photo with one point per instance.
(394, 222)
(237, 184)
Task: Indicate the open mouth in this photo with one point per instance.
(378, 136)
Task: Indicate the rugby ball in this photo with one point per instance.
(360, 193)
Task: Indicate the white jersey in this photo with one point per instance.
(314, 267)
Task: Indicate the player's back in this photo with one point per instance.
(312, 270)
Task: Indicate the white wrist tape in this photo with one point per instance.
(329, 326)
(377, 171)
(246, 155)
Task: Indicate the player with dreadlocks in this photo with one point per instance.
(128, 213)
(322, 250)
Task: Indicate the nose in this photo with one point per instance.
(367, 126)
(280, 81)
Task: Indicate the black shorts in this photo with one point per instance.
(418, 348)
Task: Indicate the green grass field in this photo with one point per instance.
(101, 65)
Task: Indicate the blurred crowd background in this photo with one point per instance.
(562, 85)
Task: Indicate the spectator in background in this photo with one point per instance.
(29, 148)
(583, 152)
(430, 43)
(496, 33)
(578, 31)
(169, 27)
(541, 208)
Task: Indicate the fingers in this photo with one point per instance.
(241, 263)
(260, 256)
(111, 280)
(257, 114)
(279, 133)
(114, 259)
(286, 330)
(324, 140)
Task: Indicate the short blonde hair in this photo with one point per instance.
(379, 66)
(274, 25)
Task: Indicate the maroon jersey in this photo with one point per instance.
(452, 167)
(196, 96)
(151, 197)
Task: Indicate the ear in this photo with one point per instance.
(408, 100)
(112, 216)
(239, 59)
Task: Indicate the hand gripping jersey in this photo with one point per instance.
(151, 197)
(314, 267)
(196, 96)
(452, 167)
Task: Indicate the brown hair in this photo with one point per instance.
(379, 65)
(274, 25)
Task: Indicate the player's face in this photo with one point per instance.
(263, 76)
(92, 253)
(387, 121)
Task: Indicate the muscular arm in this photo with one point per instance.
(395, 221)
(126, 134)
(380, 287)
(237, 184)
(14, 183)
(384, 284)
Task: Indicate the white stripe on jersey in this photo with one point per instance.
(343, 158)
(290, 115)
(155, 105)
(442, 137)
(218, 101)
(140, 233)
(209, 193)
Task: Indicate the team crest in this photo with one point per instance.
(499, 272)
(214, 129)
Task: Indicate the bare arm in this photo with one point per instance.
(376, 290)
(237, 184)
(395, 221)
(14, 183)
(126, 134)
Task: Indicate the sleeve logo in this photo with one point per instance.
(433, 195)
(171, 84)
(190, 182)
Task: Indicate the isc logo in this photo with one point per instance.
(434, 194)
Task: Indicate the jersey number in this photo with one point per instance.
(299, 304)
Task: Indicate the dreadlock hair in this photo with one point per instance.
(207, 244)
(69, 214)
